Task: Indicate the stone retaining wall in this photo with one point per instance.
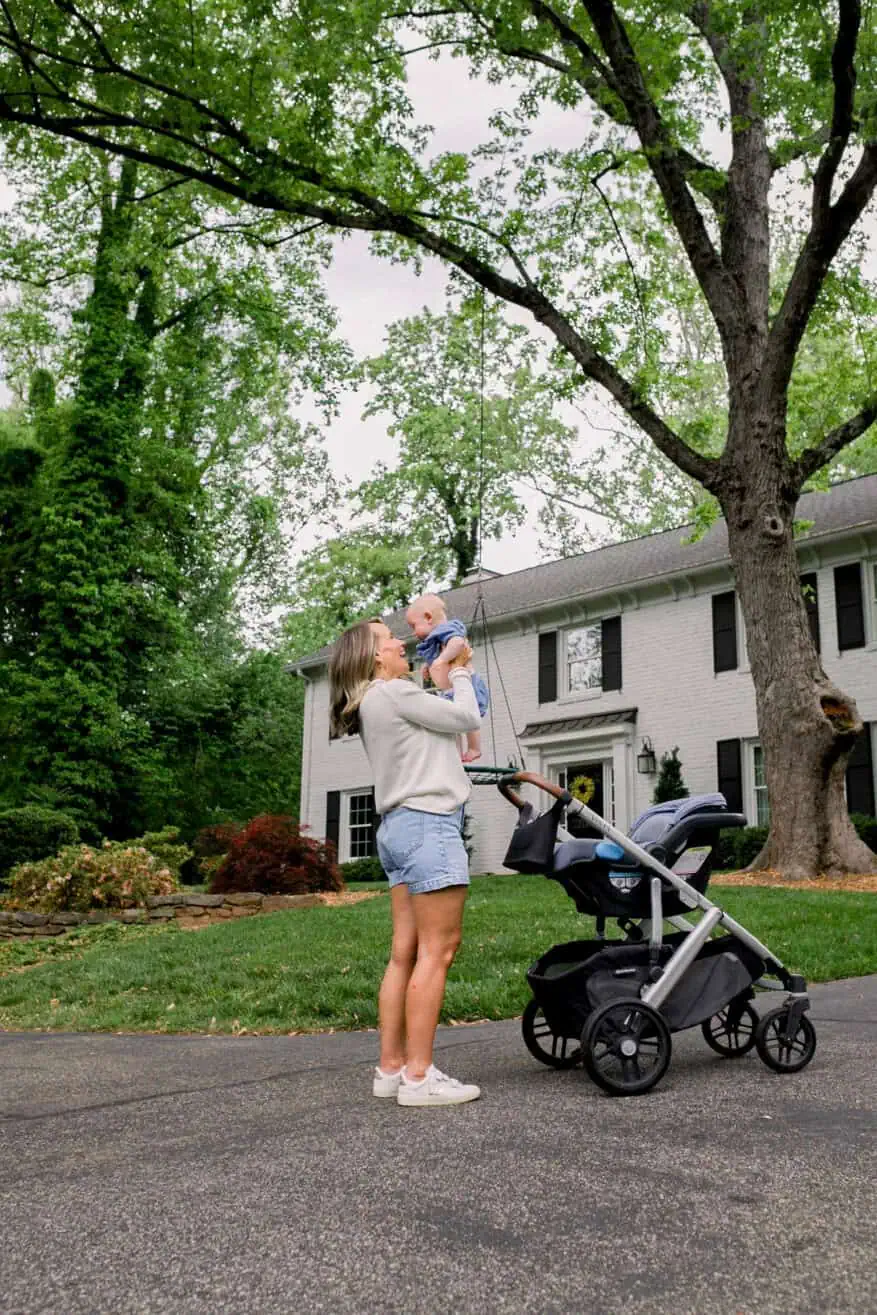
(159, 908)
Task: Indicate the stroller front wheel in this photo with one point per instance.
(779, 1051)
(626, 1047)
(545, 1045)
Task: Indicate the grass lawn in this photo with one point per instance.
(316, 969)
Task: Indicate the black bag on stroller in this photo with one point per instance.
(531, 848)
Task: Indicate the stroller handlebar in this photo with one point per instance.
(530, 778)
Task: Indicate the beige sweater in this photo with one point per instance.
(411, 741)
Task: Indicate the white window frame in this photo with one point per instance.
(567, 693)
(346, 828)
(869, 566)
(760, 815)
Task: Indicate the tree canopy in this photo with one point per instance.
(710, 133)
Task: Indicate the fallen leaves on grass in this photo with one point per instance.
(862, 882)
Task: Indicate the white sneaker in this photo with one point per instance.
(436, 1089)
(386, 1084)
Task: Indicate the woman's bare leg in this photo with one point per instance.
(391, 997)
(438, 916)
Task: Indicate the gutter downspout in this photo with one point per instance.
(306, 745)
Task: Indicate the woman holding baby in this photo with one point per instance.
(411, 739)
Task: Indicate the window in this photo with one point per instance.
(759, 786)
(592, 657)
(584, 659)
(360, 824)
(350, 823)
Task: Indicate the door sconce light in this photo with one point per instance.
(645, 759)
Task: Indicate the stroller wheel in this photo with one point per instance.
(731, 1032)
(626, 1047)
(545, 1045)
(785, 1054)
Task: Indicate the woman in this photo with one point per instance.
(410, 738)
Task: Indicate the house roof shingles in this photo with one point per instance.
(843, 507)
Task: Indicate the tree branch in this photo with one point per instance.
(374, 216)
(718, 287)
(814, 260)
(814, 458)
(843, 72)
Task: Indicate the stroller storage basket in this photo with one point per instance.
(572, 979)
(558, 982)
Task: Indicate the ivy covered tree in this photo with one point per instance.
(150, 485)
(306, 115)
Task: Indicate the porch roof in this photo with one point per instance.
(564, 725)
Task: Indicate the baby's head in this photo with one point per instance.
(425, 613)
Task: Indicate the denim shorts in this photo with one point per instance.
(425, 851)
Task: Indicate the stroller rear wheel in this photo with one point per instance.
(545, 1045)
(731, 1032)
(626, 1047)
(779, 1051)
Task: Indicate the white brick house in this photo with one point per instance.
(593, 656)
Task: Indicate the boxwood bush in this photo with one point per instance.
(33, 832)
(363, 869)
(738, 847)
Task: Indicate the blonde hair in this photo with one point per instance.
(351, 670)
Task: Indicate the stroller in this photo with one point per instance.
(612, 1005)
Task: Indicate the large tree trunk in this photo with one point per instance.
(806, 724)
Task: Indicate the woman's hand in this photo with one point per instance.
(463, 658)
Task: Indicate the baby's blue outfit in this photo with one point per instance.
(429, 649)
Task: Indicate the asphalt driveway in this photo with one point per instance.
(258, 1176)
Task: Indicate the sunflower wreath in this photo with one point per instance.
(582, 788)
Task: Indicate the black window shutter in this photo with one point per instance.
(725, 632)
(375, 821)
(333, 816)
(548, 667)
(811, 603)
(730, 773)
(610, 643)
(848, 602)
(860, 776)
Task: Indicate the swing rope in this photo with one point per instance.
(480, 604)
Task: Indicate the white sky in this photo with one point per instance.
(371, 293)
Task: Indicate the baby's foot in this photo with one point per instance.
(470, 755)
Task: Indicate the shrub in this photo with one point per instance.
(113, 875)
(670, 784)
(166, 847)
(272, 856)
(31, 833)
(210, 846)
(867, 828)
(215, 840)
(739, 846)
(363, 869)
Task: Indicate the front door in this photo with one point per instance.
(594, 772)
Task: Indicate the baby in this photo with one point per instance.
(441, 641)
